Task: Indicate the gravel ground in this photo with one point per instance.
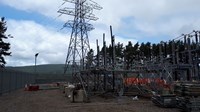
(54, 101)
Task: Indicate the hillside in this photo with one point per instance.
(41, 69)
(45, 73)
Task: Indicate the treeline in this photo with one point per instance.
(132, 53)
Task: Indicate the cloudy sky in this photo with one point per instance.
(36, 26)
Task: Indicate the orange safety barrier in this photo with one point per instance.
(135, 81)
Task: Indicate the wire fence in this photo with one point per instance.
(12, 80)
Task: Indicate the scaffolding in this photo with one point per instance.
(102, 73)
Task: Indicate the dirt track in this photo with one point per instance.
(54, 101)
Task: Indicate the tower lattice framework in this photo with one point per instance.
(79, 43)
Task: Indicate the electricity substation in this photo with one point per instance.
(137, 77)
(176, 65)
(109, 76)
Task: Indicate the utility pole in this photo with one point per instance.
(104, 61)
(113, 57)
(36, 62)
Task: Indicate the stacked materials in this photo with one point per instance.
(188, 96)
(187, 89)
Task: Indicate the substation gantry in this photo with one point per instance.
(102, 74)
(179, 62)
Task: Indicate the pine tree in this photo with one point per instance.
(119, 50)
(129, 55)
(4, 47)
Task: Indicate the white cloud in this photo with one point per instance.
(135, 20)
(30, 38)
(148, 15)
(151, 17)
(48, 8)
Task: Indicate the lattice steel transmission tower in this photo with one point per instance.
(79, 43)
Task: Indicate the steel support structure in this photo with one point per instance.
(105, 75)
(76, 60)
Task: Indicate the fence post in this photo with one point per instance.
(16, 75)
(9, 83)
(1, 82)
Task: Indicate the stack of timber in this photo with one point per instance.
(188, 96)
(187, 89)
